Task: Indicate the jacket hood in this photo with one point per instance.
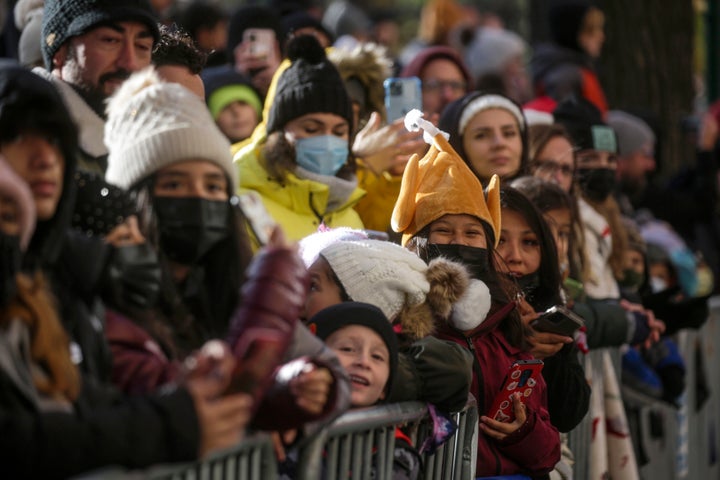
(29, 103)
(369, 65)
(416, 66)
(549, 56)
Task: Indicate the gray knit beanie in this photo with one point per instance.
(632, 133)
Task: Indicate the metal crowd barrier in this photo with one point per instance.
(679, 443)
(354, 445)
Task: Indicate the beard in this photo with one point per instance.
(93, 94)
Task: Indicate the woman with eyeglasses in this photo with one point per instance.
(552, 155)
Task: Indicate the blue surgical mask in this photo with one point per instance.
(323, 154)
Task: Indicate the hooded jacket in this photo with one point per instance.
(534, 448)
(299, 205)
(558, 72)
(70, 262)
(104, 428)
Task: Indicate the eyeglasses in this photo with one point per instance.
(438, 85)
(551, 166)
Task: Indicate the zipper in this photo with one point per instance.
(481, 396)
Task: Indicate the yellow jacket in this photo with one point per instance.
(299, 206)
(376, 207)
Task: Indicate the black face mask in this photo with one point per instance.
(596, 183)
(132, 277)
(474, 258)
(10, 258)
(191, 227)
(528, 284)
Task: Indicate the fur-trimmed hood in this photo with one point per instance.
(369, 64)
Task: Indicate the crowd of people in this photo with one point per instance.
(209, 226)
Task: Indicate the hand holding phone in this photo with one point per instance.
(261, 223)
(401, 96)
(522, 378)
(559, 320)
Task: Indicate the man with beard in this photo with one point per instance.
(635, 160)
(90, 47)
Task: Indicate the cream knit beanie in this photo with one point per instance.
(380, 273)
(152, 124)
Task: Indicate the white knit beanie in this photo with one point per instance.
(380, 273)
(152, 124)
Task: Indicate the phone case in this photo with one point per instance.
(401, 96)
(522, 377)
(260, 40)
(260, 220)
(558, 319)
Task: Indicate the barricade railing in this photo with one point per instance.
(362, 442)
(680, 442)
(355, 444)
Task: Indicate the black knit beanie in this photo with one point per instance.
(63, 19)
(584, 123)
(331, 319)
(311, 84)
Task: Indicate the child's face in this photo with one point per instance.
(458, 229)
(324, 292)
(634, 260)
(237, 121)
(560, 223)
(518, 245)
(366, 359)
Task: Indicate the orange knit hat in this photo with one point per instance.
(441, 183)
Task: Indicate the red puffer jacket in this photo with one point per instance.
(534, 448)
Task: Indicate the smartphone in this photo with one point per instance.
(558, 319)
(522, 377)
(260, 40)
(401, 96)
(261, 223)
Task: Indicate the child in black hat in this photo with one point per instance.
(363, 339)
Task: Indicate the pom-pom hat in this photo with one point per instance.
(311, 84)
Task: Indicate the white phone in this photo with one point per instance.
(261, 223)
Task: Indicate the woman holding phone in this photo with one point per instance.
(528, 254)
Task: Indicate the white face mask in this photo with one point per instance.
(658, 284)
(321, 154)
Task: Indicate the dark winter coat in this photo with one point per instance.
(534, 448)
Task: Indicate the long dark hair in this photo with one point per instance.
(547, 292)
(206, 314)
(502, 291)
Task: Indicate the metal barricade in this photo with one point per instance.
(362, 442)
(358, 445)
(456, 458)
